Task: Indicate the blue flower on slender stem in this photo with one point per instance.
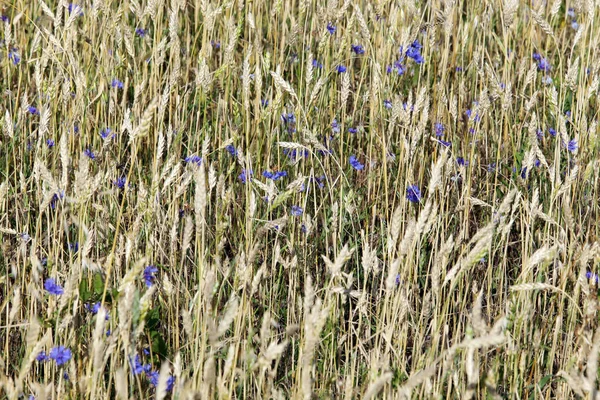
(33, 110)
(52, 287)
(41, 357)
(75, 8)
(572, 146)
(542, 62)
(116, 83)
(3, 18)
(153, 377)
(355, 163)
(141, 32)
(120, 182)
(60, 354)
(104, 133)
(462, 162)
(317, 64)
(413, 194)
(341, 69)
(331, 28)
(275, 176)
(90, 154)
(444, 143)
(335, 127)
(358, 49)
(414, 52)
(194, 159)
(149, 276)
(50, 143)
(215, 44)
(352, 130)
(552, 132)
(136, 365)
(387, 104)
(297, 211)
(592, 276)
(231, 150)
(439, 129)
(246, 175)
(14, 56)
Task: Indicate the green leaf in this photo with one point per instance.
(159, 346)
(98, 285)
(84, 292)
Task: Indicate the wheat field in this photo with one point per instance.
(299, 199)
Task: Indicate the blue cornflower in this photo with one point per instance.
(439, 129)
(170, 383)
(552, 132)
(294, 154)
(74, 247)
(60, 354)
(56, 197)
(572, 146)
(491, 167)
(414, 52)
(462, 162)
(216, 44)
(571, 12)
(444, 143)
(41, 357)
(75, 8)
(105, 132)
(413, 194)
(52, 287)
(524, 172)
(358, 49)
(3, 18)
(153, 377)
(136, 365)
(76, 127)
(245, 176)
(317, 64)
(149, 276)
(116, 83)
(542, 62)
(335, 127)
(352, 130)
(120, 182)
(32, 110)
(94, 308)
(355, 163)
(398, 67)
(274, 175)
(340, 69)
(50, 143)
(14, 56)
(290, 122)
(297, 211)
(194, 159)
(540, 134)
(477, 118)
(231, 150)
(568, 114)
(592, 276)
(141, 32)
(88, 152)
(574, 25)
(387, 104)
(331, 28)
